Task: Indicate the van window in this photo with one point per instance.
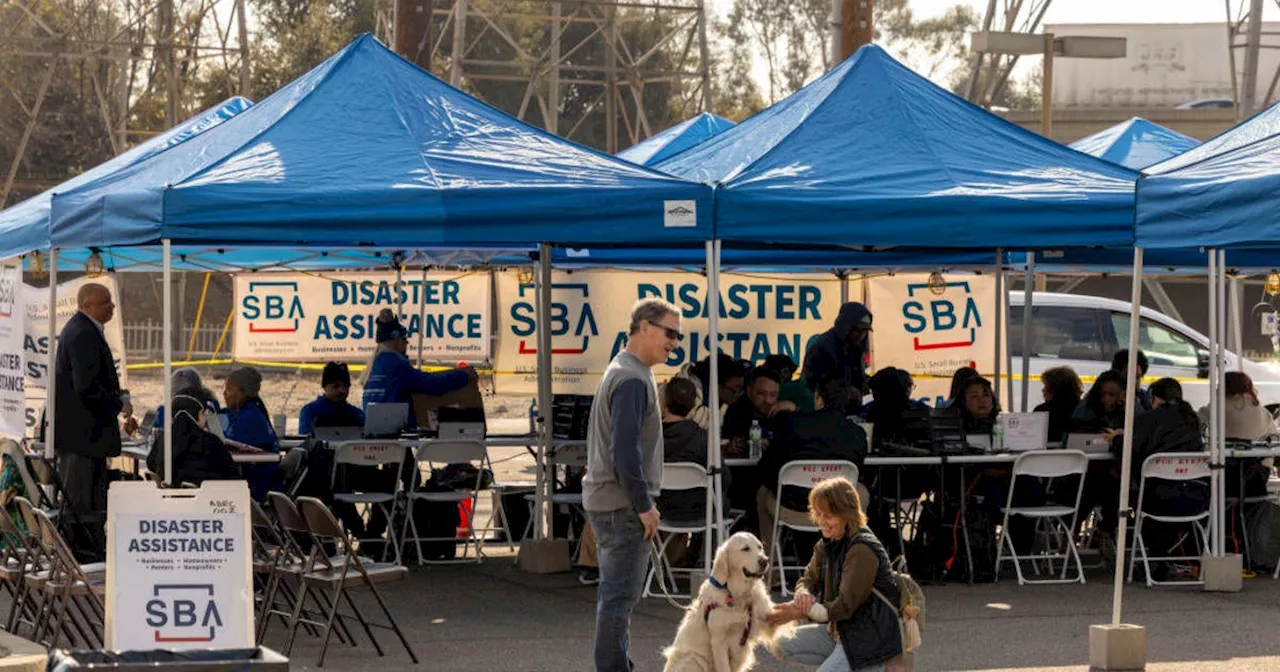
(1162, 345)
(1058, 332)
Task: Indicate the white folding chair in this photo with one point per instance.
(1051, 520)
(430, 454)
(678, 477)
(803, 474)
(570, 455)
(371, 454)
(1170, 467)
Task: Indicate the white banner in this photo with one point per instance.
(932, 330)
(178, 567)
(304, 317)
(36, 341)
(590, 314)
(12, 367)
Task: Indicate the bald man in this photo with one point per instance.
(88, 404)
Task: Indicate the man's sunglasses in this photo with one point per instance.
(671, 333)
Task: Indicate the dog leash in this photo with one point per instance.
(657, 565)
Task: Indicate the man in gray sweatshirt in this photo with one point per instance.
(624, 475)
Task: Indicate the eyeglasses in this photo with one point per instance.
(672, 334)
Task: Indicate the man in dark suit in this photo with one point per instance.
(87, 404)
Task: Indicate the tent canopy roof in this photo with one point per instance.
(676, 139)
(1257, 127)
(367, 149)
(1136, 143)
(873, 154)
(25, 226)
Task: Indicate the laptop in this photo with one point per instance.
(383, 421)
(465, 431)
(332, 434)
(148, 421)
(217, 423)
(1089, 443)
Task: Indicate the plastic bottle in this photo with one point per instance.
(756, 440)
(997, 437)
(533, 416)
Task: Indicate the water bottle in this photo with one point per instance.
(997, 437)
(756, 439)
(533, 416)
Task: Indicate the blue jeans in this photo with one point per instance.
(813, 645)
(623, 555)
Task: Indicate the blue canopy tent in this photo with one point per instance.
(676, 139)
(1253, 129)
(1136, 143)
(25, 226)
(872, 154)
(367, 149)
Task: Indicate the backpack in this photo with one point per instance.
(909, 610)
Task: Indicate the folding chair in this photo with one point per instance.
(676, 477)
(44, 489)
(294, 562)
(294, 467)
(371, 454)
(1170, 467)
(567, 456)
(15, 562)
(802, 474)
(326, 574)
(430, 454)
(71, 595)
(276, 563)
(1051, 520)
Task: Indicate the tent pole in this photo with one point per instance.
(168, 364)
(51, 375)
(1237, 322)
(713, 384)
(1215, 488)
(1222, 400)
(1028, 297)
(544, 388)
(422, 315)
(1126, 454)
(999, 311)
(1006, 353)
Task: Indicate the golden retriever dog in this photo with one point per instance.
(722, 626)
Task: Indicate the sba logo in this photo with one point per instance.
(272, 307)
(950, 324)
(184, 613)
(570, 333)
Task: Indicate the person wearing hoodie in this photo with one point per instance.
(825, 434)
(393, 379)
(840, 352)
(198, 454)
(331, 408)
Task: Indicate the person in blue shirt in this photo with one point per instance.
(331, 409)
(249, 423)
(393, 379)
(186, 381)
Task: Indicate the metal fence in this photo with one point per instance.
(144, 341)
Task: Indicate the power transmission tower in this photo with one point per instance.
(581, 63)
(1246, 38)
(989, 73)
(126, 49)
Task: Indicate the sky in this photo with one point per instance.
(1078, 11)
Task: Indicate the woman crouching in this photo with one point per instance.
(849, 565)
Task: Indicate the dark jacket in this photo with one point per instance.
(1060, 411)
(88, 401)
(394, 380)
(866, 627)
(822, 435)
(325, 413)
(738, 417)
(198, 456)
(1163, 430)
(684, 441)
(832, 355)
(1088, 420)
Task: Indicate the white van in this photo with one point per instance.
(1084, 332)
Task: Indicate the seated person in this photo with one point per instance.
(1247, 420)
(730, 375)
(682, 441)
(185, 381)
(1120, 364)
(198, 455)
(957, 381)
(794, 390)
(392, 378)
(331, 408)
(1170, 427)
(1102, 411)
(977, 405)
(249, 423)
(1062, 390)
(825, 434)
(895, 392)
(760, 404)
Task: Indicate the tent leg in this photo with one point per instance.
(543, 511)
(168, 363)
(1028, 303)
(51, 388)
(999, 311)
(1126, 454)
(713, 386)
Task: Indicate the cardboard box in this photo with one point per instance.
(424, 405)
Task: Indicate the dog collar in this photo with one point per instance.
(722, 586)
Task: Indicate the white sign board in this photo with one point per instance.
(1025, 431)
(308, 317)
(179, 567)
(12, 377)
(1269, 324)
(36, 341)
(930, 331)
(591, 310)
